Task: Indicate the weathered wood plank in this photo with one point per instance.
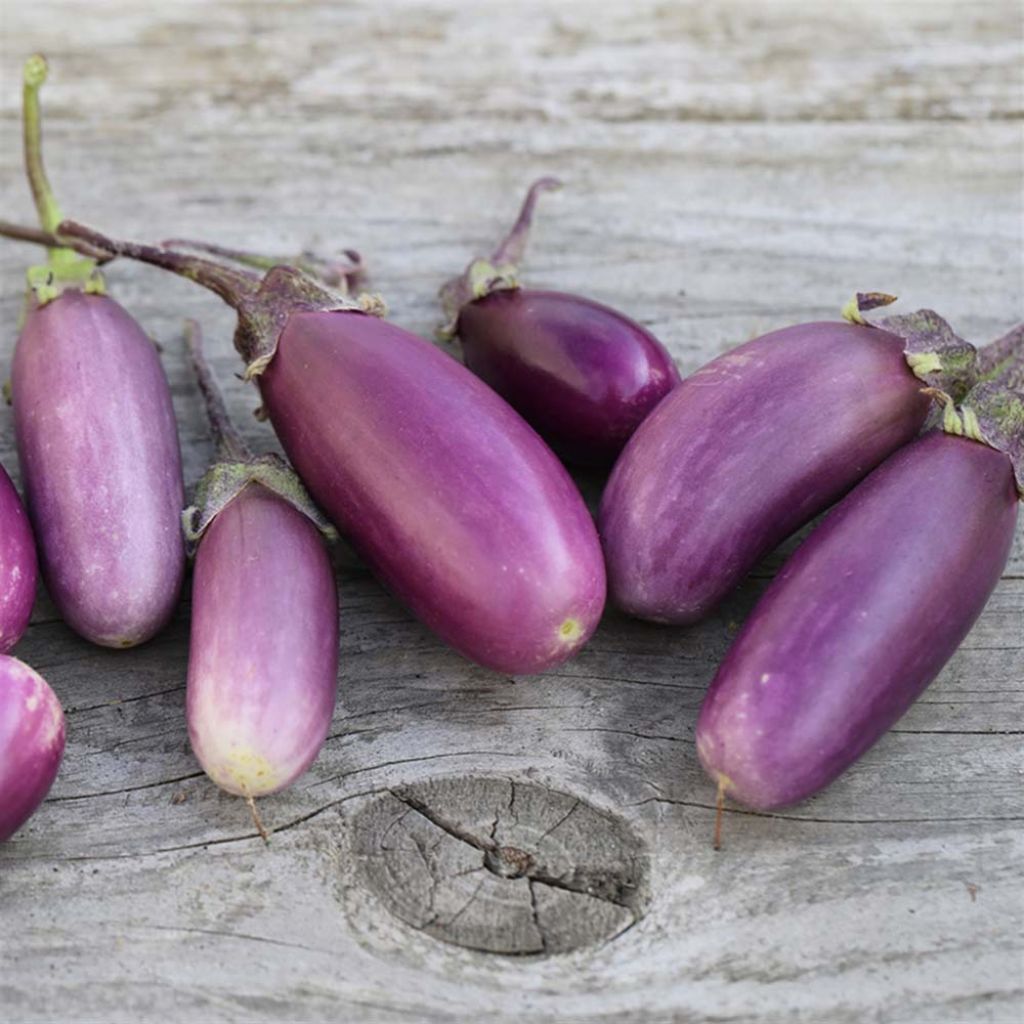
(732, 168)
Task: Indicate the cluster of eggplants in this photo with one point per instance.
(97, 440)
(582, 374)
(263, 654)
(452, 499)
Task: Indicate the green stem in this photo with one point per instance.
(33, 78)
(230, 445)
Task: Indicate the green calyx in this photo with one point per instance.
(225, 480)
(64, 268)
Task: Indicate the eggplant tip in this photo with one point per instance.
(570, 630)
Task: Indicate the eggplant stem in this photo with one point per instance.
(233, 285)
(345, 272)
(513, 245)
(257, 820)
(22, 233)
(230, 445)
(719, 809)
(33, 77)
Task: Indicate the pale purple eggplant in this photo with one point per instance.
(18, 571)
(582, 374)
(97, 440)
(454, 501)
(263, 653)
(859, 621)
(31, 743)
(750, 448)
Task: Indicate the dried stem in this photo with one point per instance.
(513, 245)
(230, 446)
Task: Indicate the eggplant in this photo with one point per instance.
(96, 437)
(867, 611)
(263, 653)
(31, 743)
(758, 442)
(582, 374)
(18, 570)
(456, 504)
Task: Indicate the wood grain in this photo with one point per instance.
(731, 168)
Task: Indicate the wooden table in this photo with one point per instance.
(731, 168)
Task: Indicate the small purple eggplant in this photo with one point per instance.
(582, 374)
(263, 656)
(754, 445)
(452, 499)
(97, 441)
(18, 570)
(31, 743)
(867, 611)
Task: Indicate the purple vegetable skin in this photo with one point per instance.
(31, 743)
(582, 374)
(860, 620)
(453, 500)
(744, 452)
(18, 570)
(263, 655)
(97, 440)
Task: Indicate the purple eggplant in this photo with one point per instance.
(861, 619)
(263, 656)
(754, 445)
(452, 499)
(582, 374)
(31, 743)
(97, 440)
(18, 570)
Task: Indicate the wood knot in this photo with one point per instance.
(502, 866)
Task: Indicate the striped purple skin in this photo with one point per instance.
(452, 499)
(582, 374)
(31, 743)
(263, 655)
(98, 447)
(860, 620)
(18, 571)
(742, 454)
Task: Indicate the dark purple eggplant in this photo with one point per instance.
(754, 445)
(97, 440)
(452, 499)
(263, 654)
(18, 571)
(868, 610)
(31, 743)
(582, 374)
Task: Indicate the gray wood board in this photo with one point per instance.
(730, 168)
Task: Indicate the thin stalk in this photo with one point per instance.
(21, 233)
(233, 285)
(230, 445)
(513, 245)
(33, 77)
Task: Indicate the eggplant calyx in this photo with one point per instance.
(499, 271)
(935, 353)
(993, 414)
(225, 480)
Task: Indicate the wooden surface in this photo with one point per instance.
(732, 167)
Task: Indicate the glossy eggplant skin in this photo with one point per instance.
(743, 453)
(454, 501)
(31, 743)
(263, 655)
(18, 570)
(98, 447)
(860, 620)
(582, 374)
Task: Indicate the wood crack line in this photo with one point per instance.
(533, 873)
